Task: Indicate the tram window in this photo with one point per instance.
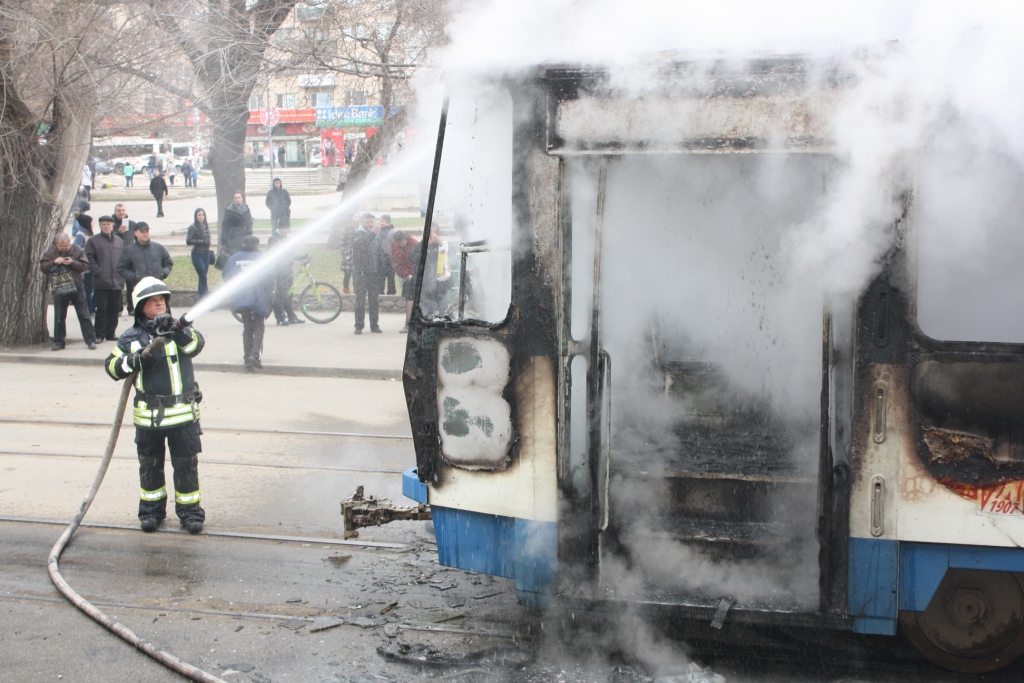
(579, 470)
(584, 219)
(970, 242)
(468, 274)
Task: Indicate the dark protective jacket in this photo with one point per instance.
(79, 263)
(199, 238)
(139, 260)
(257, 296)
(104, 253)
(278, 201)
(237, 224)
(166, 394)
(158, 186)
(364, 252)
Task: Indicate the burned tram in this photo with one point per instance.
(631, 379)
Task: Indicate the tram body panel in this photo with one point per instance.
(527, 488)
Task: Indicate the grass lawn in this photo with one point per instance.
(326, 267)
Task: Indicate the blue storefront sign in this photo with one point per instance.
(340, 117)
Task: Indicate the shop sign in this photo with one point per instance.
(337, 117)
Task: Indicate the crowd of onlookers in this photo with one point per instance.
(91, 270)
(95, 268)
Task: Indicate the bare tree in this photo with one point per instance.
(209, 53)
(378, 44)
(49, 87)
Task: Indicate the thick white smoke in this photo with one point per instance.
(933, 110)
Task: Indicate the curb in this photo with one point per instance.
(283, 370)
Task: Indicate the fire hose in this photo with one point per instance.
(53, 567)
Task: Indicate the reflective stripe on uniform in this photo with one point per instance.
(175, 415)
(192, 345)
(173, 367)
(159, 494)
(187, 498)
(117, 355)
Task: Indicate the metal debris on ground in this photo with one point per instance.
(455, 600)
(391, 630)
(360, 511)
(338, 560)
(259, 678)
(439, 616)
(293, 600)
(240, 668)
(293, 624)
(324, 623)
(419, 655)
(389, 607)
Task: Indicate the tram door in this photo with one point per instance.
(703, 372)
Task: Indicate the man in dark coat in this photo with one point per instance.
(236, 225)
(385, 270)
(365, 262)
(284, 312)
(158, 188)
(279, 202)
(143, 258)
(63, 254)
(125, 229)
(186, 170)
(104, 253)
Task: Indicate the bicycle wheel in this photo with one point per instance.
(322, 304)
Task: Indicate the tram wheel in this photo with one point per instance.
(973, 624)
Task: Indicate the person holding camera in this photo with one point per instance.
(66, 263)
(166, 405)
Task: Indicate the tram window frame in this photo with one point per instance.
(465, 249)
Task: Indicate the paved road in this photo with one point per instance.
(280, 454)
(332, 345)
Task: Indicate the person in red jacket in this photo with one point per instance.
(402, 256)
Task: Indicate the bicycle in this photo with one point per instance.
(320, 302)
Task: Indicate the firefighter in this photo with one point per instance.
(166, 405)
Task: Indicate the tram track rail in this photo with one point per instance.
(244, 430)
(265, 615)
(207, 461)
(375, 374)
(277, 538)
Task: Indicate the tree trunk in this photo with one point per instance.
(226, 157)
(39, 184)
(368, 153)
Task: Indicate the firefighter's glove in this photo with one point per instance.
(164, 325)
(134, 360)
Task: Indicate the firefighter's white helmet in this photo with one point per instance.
(147, 287)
